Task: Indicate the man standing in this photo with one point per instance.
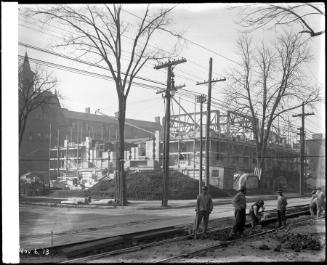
(313, 203)
(320, 201)
(281, 208)
(239, 203)
(255, 214)
(203, 209)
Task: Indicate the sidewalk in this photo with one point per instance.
(142, 205)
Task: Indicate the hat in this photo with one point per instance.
(204, 187)
(243, 188)
(261, 202)
(313, 192)
(279, 191)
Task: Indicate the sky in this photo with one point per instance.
(213, 26)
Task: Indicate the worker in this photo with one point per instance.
(320, 201)
(203, 209)
(255, 213)
(239, 203)
(281, 208)
(313, 203)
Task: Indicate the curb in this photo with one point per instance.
(60, 205)
(63, 205)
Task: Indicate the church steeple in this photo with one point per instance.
(26, 75)
(26, 64)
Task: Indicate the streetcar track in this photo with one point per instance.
(226, 243)
(72, 232)
(146, 245)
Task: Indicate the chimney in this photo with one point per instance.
(87, 110)
(157, 119)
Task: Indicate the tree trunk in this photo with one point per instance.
(121, 130)
(22, 130)
(261, 166)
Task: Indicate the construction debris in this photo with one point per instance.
(298, 242)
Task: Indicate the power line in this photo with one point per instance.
(95, 65)
(227, 108)
(125, 36)
(80, 61)
(83, 72)
(193, 42)
(57, 36)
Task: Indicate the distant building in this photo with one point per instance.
(51, 126)
(34, 150)
(82, 165)
(316, 161)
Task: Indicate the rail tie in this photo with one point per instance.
(225, 243)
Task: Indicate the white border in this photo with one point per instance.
(9, 128)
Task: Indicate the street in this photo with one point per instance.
(78, 224)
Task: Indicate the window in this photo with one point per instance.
(215, 173)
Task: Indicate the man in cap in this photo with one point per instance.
(203, 209)
(239, 203)
(281, 208)
(255, 213)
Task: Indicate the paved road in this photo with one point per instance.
(78, 224)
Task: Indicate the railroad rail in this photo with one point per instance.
(226, 243)
(140, 240)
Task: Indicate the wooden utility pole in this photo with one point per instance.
(58, 159)
(194, 143)
(209, 82)
(201, 99)
(49, 154)
(168, 94)
(302, 140)
(67, 154)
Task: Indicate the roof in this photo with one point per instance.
(107, 119)
(137, 141)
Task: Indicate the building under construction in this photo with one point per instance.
(232, 151)
(82, 164)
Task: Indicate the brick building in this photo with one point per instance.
(51, 125)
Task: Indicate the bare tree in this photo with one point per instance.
(283, 14)
(35, 92)
(268, 84)
(98, 31)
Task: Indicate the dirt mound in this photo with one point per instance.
(148, 186)
(298, 242)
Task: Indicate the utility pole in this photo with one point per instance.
(201, 99)
(58, 158)
(209, 82)
(194, 143)
(302, 140)
(168, 94)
